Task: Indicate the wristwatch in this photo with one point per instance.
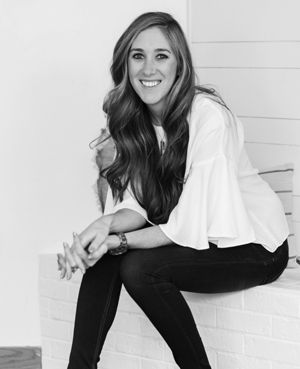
(122, 248)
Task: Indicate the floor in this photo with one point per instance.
(20, 358)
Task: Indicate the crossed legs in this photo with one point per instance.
(154, 279)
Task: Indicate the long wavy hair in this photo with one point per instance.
(156, 180)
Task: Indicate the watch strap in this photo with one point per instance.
(122, 248)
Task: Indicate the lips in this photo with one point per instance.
(150, 83)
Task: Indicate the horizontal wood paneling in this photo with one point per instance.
(297, 233)
(257, 92)
(296, 208)
(216, 20)
(250, 52)
(267, 155)
(247, 55)
(279, 131)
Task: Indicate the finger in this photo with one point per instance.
(59, 264)
(68, 270)
(96, 243)
(69, 260)
(85, 239)
(80, 263)
(78, 248)
(61, 261)
(68, 255)
(97, 254)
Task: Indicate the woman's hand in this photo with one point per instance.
(61, 265)
(87, 248)
(96, 233)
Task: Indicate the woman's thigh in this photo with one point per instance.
(209, 271)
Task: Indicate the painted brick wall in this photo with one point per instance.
(254, 329)
(250, 51)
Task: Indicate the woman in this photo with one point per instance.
(185, 211)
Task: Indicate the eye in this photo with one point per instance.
(137, 56)
(162, 56)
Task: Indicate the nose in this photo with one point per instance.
(149, 67)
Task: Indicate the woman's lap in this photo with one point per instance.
(208, 271)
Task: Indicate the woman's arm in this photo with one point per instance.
(124, 220)
(145, 238)
(130, 223)
(92, 243)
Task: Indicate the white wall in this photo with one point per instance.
(54, 73)
(250, 51)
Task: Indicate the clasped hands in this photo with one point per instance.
(86, 249)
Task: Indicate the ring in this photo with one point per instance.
(74, 268)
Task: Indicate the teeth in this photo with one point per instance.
(150, 83)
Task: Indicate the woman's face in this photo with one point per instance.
(152, 68)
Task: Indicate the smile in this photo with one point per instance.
(150, 83)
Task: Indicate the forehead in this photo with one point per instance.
(151, 38)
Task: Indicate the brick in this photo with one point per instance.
(44, 306)
(244, 321)
(110, 360)
(53, 289)
(204, 315)
(49, 363)
(72, 292)
(221, 339)
(212, 357)
(168, 355)
(46, 347)
(141, 346)
(60, 350)
(153, 364)
(147, 329)
(211, 354)
(286, 328)
(110, 341)
(127, 323)
(272, 301)
(127, 304)
(271, 349)
(234, 361)
(62, 310)
(56, 329)
(284, 366)
(229, 299)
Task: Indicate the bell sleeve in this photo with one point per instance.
(211, 206)
(129, 202)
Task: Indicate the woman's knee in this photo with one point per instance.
(137, 269)
(130, 268)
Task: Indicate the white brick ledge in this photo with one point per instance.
(254, 329)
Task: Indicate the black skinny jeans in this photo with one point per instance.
(154, 278)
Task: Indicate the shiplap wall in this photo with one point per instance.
(250, 52)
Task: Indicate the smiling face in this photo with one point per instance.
(152, 68)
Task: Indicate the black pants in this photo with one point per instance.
(154, 278)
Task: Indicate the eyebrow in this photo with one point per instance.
(156, 50)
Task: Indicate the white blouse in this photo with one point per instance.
(224, 200)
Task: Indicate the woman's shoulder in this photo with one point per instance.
(208, 113)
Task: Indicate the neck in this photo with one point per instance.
(155, 117)
(156, 120)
